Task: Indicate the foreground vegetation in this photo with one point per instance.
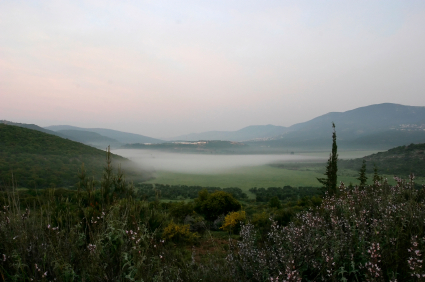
(103, 231)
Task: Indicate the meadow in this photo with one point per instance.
(262, 176)
(245, 172)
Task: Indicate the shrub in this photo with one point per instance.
(374, 234)
(178, 233)
(233, 220)
(275, 202)
(213, 205)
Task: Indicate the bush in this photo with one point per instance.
(178, 233)
(275, 202)
(213, 205)
(374, 234)
(232, 221)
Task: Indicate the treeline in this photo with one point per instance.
(286, 193)
(151, 192)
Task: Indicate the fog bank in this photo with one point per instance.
(202, 163)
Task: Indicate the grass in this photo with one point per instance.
(303, 175)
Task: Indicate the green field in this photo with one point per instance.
(260, 176)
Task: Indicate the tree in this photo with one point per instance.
(213, 205)
(376, 177)
(330, 181)
(362, 175)
(275, 202)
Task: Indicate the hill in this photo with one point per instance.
(40, 160)
(399, 161)
(90, 138)
(122, 137)
(33, 127)
(379, 126)
(247, 133)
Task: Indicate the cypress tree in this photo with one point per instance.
(362, 175)
(330, 181)
(376, 177)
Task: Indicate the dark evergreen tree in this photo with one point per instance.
(376, 177)
(330, 181)
(362, 175)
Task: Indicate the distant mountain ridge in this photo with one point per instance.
(380, 126)
(120, 136)
(245, 134)
(375, 126)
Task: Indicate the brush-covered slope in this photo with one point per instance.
(33, 127)
(399, 161)
(39, 160)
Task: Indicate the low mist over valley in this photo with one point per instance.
(206, 164)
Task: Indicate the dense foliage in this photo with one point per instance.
(401, 161)
(286, 193)
(40, 160)
(215, 204)
(375, 233)
(180, 192)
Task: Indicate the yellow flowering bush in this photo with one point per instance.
(179, 233)
(232, 221)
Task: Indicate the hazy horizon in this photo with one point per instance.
(164, 69)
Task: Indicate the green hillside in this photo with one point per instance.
(39, 160)
(400, 161)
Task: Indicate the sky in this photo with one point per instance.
(168, 68)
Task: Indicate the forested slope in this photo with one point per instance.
(39, 160)
(400, 161)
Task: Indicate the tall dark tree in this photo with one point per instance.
(330, 181)
(362, 175)
(376, 177)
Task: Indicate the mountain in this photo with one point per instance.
(247, 133)
(122, 137)
(39, 160)
(90, 138)
(380, 126)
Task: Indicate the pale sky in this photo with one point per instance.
(166, 68)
